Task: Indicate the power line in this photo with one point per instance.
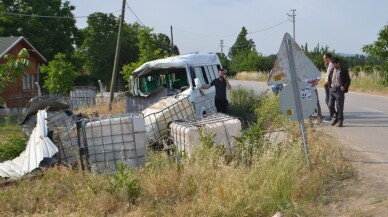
(233, 35)
(261, 30)
(135, 14)
(44, 16)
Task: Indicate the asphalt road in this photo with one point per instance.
(365, 125)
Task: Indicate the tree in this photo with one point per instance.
(316, 55)
(99, 45)
(60, 75)
(13, 69)
(164, 43)
(242, 44)
(149, 49)
(225, 62)
(53, 33)
(379, 49)
(245, 62)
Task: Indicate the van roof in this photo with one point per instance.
(177, 61)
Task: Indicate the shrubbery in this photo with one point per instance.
(11, 146)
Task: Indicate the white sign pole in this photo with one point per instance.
(296, 89)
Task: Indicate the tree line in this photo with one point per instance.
(84, 56)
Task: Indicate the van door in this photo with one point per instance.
(203, 99)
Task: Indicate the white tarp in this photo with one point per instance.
(39, 146)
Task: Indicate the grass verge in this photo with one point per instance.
(260, 179)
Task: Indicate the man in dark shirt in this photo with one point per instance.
(220, 83)
(339, 81)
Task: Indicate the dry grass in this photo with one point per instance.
(205, 185)
(118, 107)
(363, 83)
(208, 184)
(367, 84)
(252, 76)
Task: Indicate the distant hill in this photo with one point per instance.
(351, 55)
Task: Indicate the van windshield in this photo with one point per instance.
(173, 79)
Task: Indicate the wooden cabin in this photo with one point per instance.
(16, 95)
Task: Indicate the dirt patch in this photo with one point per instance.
(365, 194)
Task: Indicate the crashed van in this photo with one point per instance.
(181, 75)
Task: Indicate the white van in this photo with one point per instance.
(178, 75)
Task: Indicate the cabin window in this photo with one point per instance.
(28, 81)
(205, 75)
(210, 72)
(179, 78)
(198, 74)
(149, 83)
(215, 70)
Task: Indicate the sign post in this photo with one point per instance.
(296, 100)
(295, 85)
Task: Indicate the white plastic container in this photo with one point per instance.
(185, 134)
(167, 110)
(104, 143)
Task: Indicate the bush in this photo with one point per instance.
(356, 70)
(124, 181)
(11, 146)
(243, 104)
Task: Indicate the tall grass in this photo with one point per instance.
(367, 82)
(252, 76)
(206, 184)
(118, 107)
(243, 103)
(363, 82)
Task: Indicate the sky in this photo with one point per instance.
(199, 25)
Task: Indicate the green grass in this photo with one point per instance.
(11, 146)
(12, 139)
(9, 123)
(8, 126)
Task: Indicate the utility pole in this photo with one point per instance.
(117, 57)
(222, 47)
(293, 21)
(172, 41)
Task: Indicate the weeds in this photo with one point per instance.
(243, 103)
(258, 180)
(11, 146)
(9, 123)
(124, 180)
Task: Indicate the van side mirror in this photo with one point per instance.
(197, 82)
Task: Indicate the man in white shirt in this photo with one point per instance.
(329, 67)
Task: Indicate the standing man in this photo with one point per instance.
(339, 82)
(220, 83)
(329, 67)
